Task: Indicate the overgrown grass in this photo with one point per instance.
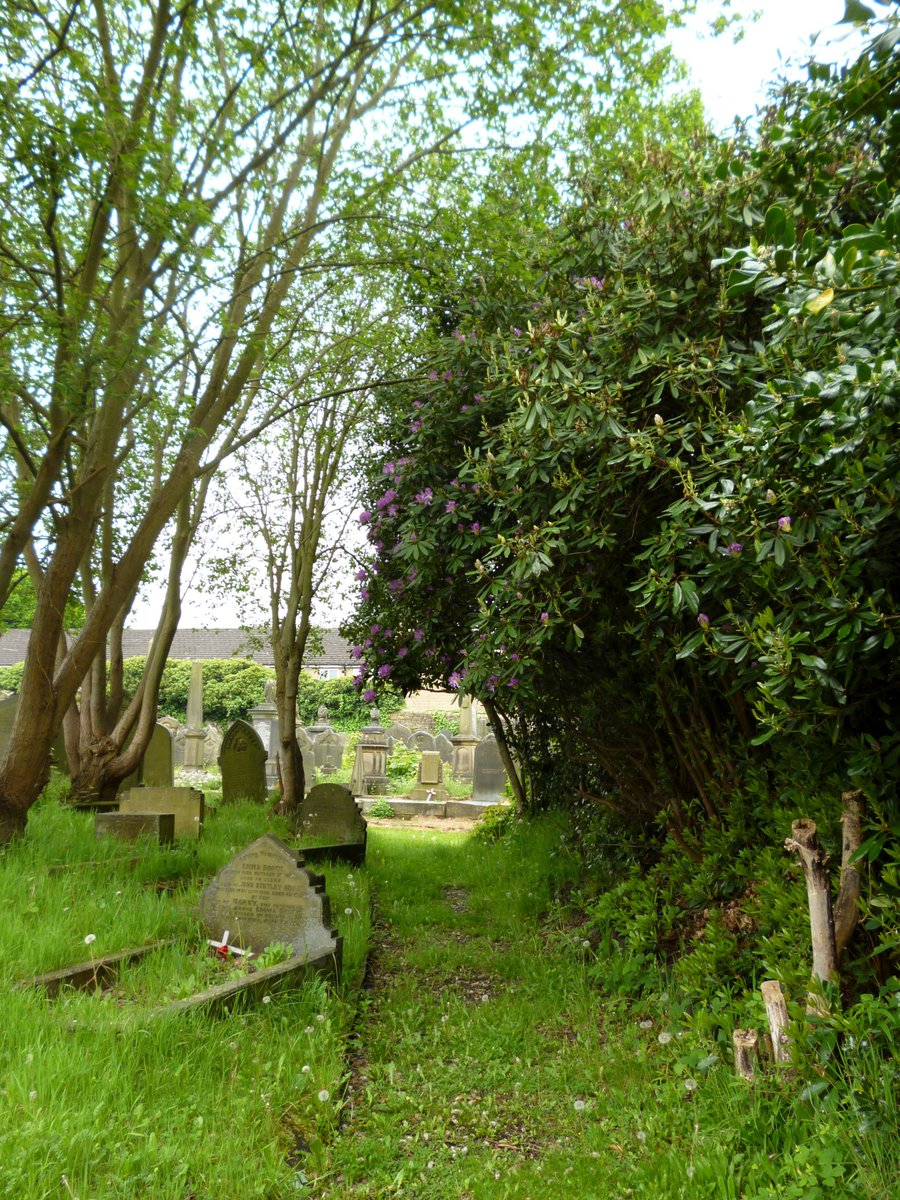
(102, 1099)
(495, 1064)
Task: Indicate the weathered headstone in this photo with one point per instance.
(464, 742)
(212, 744)
(329, 811)
(307, 753)
(422, 740)
(490, 774)
(266, 895)
(186, 804)
(398, 733)
(328, 750)
(128, 826)
(9, 707)
(194, 735)
(430, 780)
(242, 761)
(264, 718)
(444, 747)
(156, 766)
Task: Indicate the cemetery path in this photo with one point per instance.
(479, 1055)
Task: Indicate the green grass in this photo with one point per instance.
(489, 1060)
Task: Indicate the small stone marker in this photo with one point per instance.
(430, 780)
(129, 826)
(328, 750)
(329, 810)
(185, 803)
(243, 765)
(156, 766)
(266, 895)
(194, 735)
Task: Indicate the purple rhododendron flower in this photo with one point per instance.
(432, 375)
(425, 496)
(447, 375)
(476, 528)
(784, 524)
(455, 680)
(392, 510)
(384, 670)
(388, 468)
(513, 682)
(417, 403)
(375, 628)
(703, 620)
(450, 506)
(415, 426)
(545, 616)
(517, 331)
(418, 634)
(402, 652)
(356, 652)
(368, 696)
(464, 408)
(734, 548)
(364, 517)
(363, 593)
(396, 585)
(362, 574)
(367, 643)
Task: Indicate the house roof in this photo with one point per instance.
(196, 644)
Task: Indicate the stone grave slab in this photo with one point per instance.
(265, 895)
(156, 766)
(243, 764)
(490, 773)
(128, 826)
(185, 803)
(430, 779)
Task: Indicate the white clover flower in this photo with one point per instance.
(32, 1095)
(586, 944)
(320, 1016)
(308, 1029)
(646, 1024)
(305, 1069)
(348, 912)
(90, 939)
(267, 999)
(324, 1095)
(641, 1136)
(664, 1038)
(691, 1085)
(579, 1105)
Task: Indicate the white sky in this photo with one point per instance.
(733, 79)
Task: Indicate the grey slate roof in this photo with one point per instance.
(199, 644)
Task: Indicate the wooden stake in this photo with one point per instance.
(745, 1043)
(805, 842)
(777, 1014)
(846, 909)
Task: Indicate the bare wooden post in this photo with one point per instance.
(846, 909)
(805, 841)
(745, 1043)
(776, 1012)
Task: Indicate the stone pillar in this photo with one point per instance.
(463, 762)
(195, 734)
(264, 719)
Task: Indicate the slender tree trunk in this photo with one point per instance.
(515, 780)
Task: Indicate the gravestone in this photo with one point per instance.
(370, 769)
(464, 742)
(444, 747)
(398, 733)
(328, 750)
(128, 827)
(9, 706)
(266, 895)
(265, 721)
(242, 762)
(330, 811)
(422, 740)
(155, 769)
(194, 735)
(212, 744)
(186, 803)
(490, 774)
(307, 753)
(430, 779)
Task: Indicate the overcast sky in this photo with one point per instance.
(733, 79)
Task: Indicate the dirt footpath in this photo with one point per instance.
(444, 824)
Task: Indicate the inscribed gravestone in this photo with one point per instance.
(422, 740)
(430, 780)
(243, 764)
(490, 774)
(194, 735)
(329, 810)
(399, 733)
(186, 803)
(156, 766)
(266, 895)
(328, 750)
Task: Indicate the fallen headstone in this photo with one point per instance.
(186, 804)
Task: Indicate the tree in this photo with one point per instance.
(599, 449)
(169, 172)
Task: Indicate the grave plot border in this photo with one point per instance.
(96, 973)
